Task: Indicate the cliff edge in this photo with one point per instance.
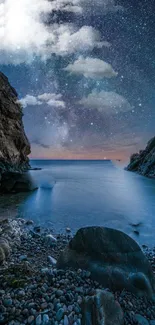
(14, 145)
(144, 161)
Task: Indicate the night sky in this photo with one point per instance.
(84, 71)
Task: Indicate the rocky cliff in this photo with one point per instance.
(144, 161)
(14, 145)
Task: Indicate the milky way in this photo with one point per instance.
(85, 74)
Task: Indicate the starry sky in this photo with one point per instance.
(84, 71)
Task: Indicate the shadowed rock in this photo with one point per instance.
(144, 161)
(14, 182)
(14, 145)
(4, 249)
(101, 309)
(113, 258)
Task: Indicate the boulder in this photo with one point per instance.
(113, 258)
(14, 182)
(4, 250)
(102, 309)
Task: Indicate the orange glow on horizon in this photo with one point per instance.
(64, 154)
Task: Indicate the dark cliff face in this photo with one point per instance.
(14, 145)
(144, 161)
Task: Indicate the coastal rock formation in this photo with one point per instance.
(144, 161)
(113, 258)
(14, 145)
(102, 309)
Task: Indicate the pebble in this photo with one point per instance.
(7, 302)
(23, 258)
(54, 297)
(44, 305)
(59, 293)
(59, 314)
(141, 320)
(45, 319)
(30, 319)
(52, 260)
(66, 321)
(38, 320)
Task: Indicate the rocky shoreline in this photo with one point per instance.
(34, 291)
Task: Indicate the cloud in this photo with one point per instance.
(86, 6)
(95, 7)
(91, 68)
(50, 99)
(24, 33)
(106, 102)
(29, 100)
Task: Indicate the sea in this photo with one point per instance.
(77, 194)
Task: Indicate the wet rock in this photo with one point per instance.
(4, 249)
(113, 258)
(52, 260)
(141, 320)
(101, 309)
(59, 314)
(17, 182)
(50, 240)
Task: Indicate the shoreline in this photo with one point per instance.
(32, 289)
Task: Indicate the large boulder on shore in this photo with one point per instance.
(144, 161)
(113, 258)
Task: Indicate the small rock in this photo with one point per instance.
(44, 305)
(59, 314)
(7, 302)
(66, 321)
(52, 260)
(21, 293)
(37, 229)
(30, 319)
(29, 222)
(23, 258)
(45, 319)
(141, 320)
(38, 320)
(50, 240)
(59, 293)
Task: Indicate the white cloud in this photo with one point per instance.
(29, 100)
(48, 96)
(106, 102)
(50, 99)
(24, 34)
(91, 68)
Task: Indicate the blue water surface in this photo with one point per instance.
(83, 193)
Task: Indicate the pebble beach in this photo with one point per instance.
(34, 291)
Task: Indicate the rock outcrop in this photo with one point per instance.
(113, 258)
(14, 145)
(144, 161)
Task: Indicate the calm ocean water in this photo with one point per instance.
(83, 193)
